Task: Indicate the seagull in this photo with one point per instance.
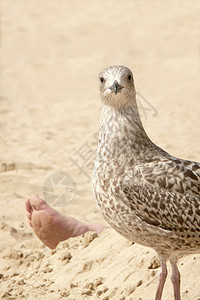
(147, 195)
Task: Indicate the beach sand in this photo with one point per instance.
(51, 54)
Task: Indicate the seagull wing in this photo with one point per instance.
(173, 174)
(171, 207)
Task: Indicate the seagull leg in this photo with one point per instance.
(162, 275)
(176, 280)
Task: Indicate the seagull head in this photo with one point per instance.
(117, 87)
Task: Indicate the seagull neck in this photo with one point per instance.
(122, 130)
(119, 121)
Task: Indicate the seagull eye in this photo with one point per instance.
(129, 77)
(102, 79)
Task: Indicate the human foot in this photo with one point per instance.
(51, 227)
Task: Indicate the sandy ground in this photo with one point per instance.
(51, 54)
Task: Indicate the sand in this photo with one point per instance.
(51, 54)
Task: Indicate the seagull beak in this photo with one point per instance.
(116, 87)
